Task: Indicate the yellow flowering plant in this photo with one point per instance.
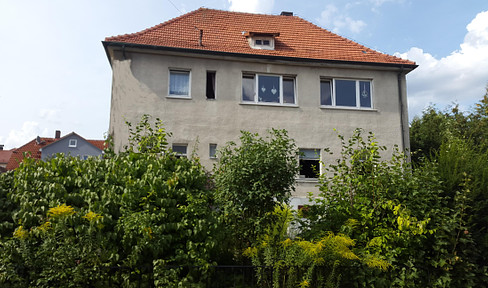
(61, 211)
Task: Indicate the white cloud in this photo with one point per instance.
(460, 77)
(29, 131)
(331, 18)
(252, 6)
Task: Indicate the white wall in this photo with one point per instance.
(140, 87)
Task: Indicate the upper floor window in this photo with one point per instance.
(261, 40)
(179, 83)
(346, 93)
(264, 88)
(72, 143)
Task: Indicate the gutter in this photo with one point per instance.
(402, 110)
(107, 44)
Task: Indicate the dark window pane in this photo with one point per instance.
(210, 84)
(180, 150)
(212, 150)
(325, 92)
(365, 93)
(289, 90)
(248, 85)
(345, 93)
(269, 89)
(258, 42)
(309, 168)
(179, 83)
(309, 163)
(266, 42)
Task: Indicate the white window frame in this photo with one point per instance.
(179, 70)
(72, 143)
(214, 156)
(253, 42)
(358, 93)
(178, 154)
(256, 88)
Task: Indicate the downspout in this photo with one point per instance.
(402, 112)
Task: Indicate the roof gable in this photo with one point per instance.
(224, 31)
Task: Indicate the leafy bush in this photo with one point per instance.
(393, 213)
(128, 219)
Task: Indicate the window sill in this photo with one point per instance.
(178, 97)
(269, 104)
(348, 108)
(307, 180)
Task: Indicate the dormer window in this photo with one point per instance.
(259, 40)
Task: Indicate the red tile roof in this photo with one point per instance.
(225, 31)
(100, 144)
(5, 155)
(31, 149)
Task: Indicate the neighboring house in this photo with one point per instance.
(209, 74)
(73, 145)
(4, 157)
(43, 147)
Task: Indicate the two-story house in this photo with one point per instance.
(209, 74)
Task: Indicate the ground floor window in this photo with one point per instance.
(309, 163)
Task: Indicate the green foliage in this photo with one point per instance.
(251, 179)
(123, 221)
(303, 263)
(146, 139)
(393, 213)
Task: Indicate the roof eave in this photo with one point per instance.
(107, 44)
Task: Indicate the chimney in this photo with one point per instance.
(285, 13)
(57, 134)
(200, 40)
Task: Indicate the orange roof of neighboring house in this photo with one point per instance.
(5, 155)
(225, 32)
(32, 149)
(100, 144)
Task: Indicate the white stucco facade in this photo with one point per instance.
(140, 86)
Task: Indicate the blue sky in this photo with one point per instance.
(55, 74)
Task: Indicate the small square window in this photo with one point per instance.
(259, 42)
(180, 150)
(212, 151)
(266, 42)
(72, 143)
(179, 83)
(309, 163)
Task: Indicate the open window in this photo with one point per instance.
(210, 85)
(309, 163)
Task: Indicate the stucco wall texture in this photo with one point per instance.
(140, 86)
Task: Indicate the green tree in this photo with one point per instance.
(251, 179)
